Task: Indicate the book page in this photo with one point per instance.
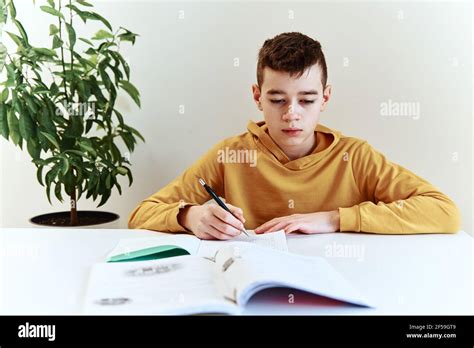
(275, 240)
(248, 268)
(129, 245)
(178, 285)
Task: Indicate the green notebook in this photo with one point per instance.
(153, 253)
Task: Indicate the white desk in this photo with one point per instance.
(45, 271)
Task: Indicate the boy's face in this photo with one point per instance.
(291, 108)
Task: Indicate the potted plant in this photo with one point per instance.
(59, 103)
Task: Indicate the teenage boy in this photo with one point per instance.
(289, 172)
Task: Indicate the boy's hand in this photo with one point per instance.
(321, 222)
(209, 221)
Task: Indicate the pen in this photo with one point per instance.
(218, 200)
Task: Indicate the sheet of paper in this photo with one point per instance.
(128, 245)
(178, 285)
(275, 240)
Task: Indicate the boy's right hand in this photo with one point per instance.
(210, 221)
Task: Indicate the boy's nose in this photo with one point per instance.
(291, 116)
(293, 113)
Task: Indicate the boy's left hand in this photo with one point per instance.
(321, 222)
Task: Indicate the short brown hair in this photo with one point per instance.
(293, 53)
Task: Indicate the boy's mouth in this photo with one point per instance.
(292, 132)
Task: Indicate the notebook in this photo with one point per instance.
(221, 284)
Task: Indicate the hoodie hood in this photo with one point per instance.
(326, 140)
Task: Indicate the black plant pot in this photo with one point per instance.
(86, 219)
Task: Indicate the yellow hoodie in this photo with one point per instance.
(251, 172)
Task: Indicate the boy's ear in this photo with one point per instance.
(326, 96)
(256, 96)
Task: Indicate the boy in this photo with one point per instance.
(302, 177)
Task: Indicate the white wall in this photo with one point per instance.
(376, 52)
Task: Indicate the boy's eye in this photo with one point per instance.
(279, 101)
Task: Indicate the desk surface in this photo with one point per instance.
(45, 271)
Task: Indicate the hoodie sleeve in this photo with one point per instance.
(159, 211)
(395, 200)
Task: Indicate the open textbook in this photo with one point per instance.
(161, 246)
(223, 283)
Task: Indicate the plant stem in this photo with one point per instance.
(62, 54)
(71, 48)
(73, 203)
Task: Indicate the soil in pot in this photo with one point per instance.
(85, 218)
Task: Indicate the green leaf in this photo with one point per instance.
(128, 140)
(57, 42)
(98, 17)
(3, 121)
(130, 177)
(122, 170)
(76, 152)
(4, 95)
(117, 73)
(51, 139)
(65, 165)
(53, 30)
(45, 51)
(105, 198)
(40, 90)
(26, 126)
(72, 35)
(104, 76)
(11, 75)
(102, 34)
(131, 90)
(135, 132)
(86, 41)
(85, 62)
(51, 175)
(68, 181)
(13, 127)
(84, 3)
(30, 103)
(92, 52)
(3, 56)
(33, 148)
(119, 188)
(119, 117)
(39, 174)
(3, 12)
(57, 191)
(44, 119)
(128, 36)
(86, 146)
(18, 40)
(12, 9)
(108, 181)
(124, 63)
(48, 194)
(52, 11)
(54, 89)
(21, 30)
